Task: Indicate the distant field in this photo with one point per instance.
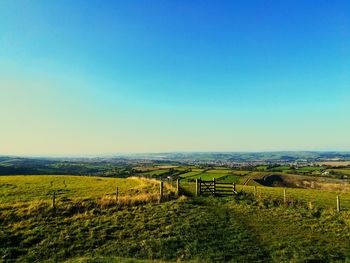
(261, 167)
(187, 167)
(253, 175)
(230, 179)
(219, 171)
(240, 172)
(342, 163)
(224, 175)
(189, 174)
(310, 168)
(167, 166)
(145, 168)
(280, 168)
(207, 176)
(342, 171)
(155, 172)
(197, 169)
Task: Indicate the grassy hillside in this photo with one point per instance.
(84, 228)
(320, 199)
(22, 189)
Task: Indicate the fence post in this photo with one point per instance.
(54, 200)
(214, 186)
(338, 203)
(116, 194)
(197, 187)
(160, 191)
(178, 187)
(310, 206)
(284, 196)
(255, 191)
(234, 188)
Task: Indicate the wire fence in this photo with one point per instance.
(316, 198)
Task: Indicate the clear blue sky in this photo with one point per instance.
(96, 77)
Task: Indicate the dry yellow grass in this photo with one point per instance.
(166, 166)
(129, 200)
(139, 194)
(344, 187)
(29, 193)
(335, 163)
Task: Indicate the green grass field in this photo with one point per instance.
(341, 171)
(190, 174)
(230, 178)
(155, 172)
(319, 198)
(312, 168)
(206, 176)
(35, 188)
(280, 168)
(83, 228)
(15, 189)
(219, 171)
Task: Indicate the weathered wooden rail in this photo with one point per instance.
(214, 188)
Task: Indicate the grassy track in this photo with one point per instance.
(296, 235)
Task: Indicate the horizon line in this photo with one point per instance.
(111, 155)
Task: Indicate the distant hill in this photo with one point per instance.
(288, 156)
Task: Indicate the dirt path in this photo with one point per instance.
(231, 240)
(290, 236)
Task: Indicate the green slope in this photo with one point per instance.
(239, 229)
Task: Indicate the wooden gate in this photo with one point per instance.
(214, 188)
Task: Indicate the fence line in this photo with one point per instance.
(309, 198)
